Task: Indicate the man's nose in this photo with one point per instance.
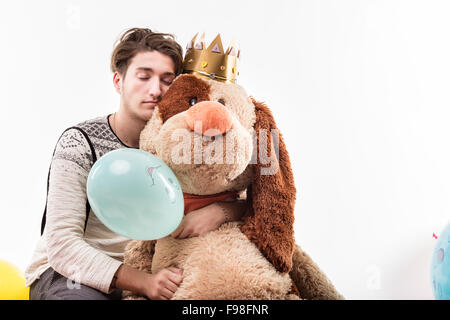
(155, 87)
(209, 118)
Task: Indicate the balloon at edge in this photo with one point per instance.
(12, 283)
(135, 194)
(440, 266)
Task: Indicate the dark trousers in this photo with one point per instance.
(54, 286)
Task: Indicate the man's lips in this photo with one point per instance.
(150, 104)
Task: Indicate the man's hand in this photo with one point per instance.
(162, 285)
(209, 218)
(159, 286)
(199, 222)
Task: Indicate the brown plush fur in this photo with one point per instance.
(253, 259)
(310, 280)
(215, 267)
(179, 95)
(270, 219)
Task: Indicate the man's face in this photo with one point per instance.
(149, 75)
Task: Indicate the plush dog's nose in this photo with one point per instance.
(209, 118)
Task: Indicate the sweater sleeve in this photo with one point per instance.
(68, 253)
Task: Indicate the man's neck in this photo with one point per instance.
(127, 127)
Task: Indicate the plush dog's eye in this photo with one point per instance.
(221, 101)
(193, 101)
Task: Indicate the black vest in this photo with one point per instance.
(94, 159)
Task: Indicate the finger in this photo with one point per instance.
(176, 278)
(174, 275)
(172, 287)
(175, 270)
(177, 232)
(179, 228)
(161, 297)
(166, 293)
(184, 234)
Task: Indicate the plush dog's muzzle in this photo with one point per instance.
(209, 118)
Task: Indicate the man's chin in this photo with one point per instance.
(146, 114)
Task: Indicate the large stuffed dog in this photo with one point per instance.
(220, 142)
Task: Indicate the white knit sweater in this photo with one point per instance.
(91, 257)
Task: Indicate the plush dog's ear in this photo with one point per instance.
(269, 221)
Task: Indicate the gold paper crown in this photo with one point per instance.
(212, 62)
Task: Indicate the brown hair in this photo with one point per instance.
(136, 40)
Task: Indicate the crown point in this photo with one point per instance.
(200, 44)
(216, 49)
(193, 39)
(216, 45)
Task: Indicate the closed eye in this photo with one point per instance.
(221, 101)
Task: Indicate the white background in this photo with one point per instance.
(359, 89)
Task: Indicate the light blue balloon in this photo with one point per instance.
(440, 266)
(135, 194)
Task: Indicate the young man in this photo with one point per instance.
(77, 257)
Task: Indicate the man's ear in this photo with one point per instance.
(117, 81)
(269, 221)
